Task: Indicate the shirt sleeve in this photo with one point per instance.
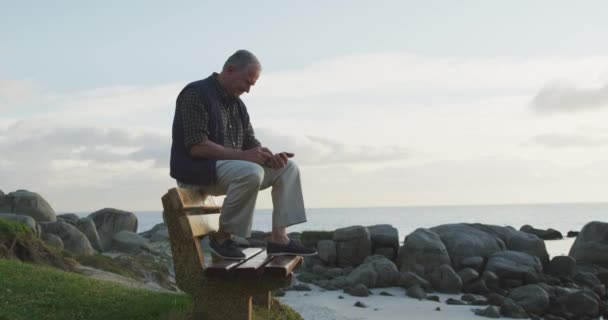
(194, 117)
(250, 141)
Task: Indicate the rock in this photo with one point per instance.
(74, 241)
(477, 286)
(87, 226)
(533, 298)
(422, 252)
(360, 304)
(408, 279)
(445, 280)
(416, 292)
(455, 302)
(579, 304)
(333, 272)
(70, 218)
(29, 203)
(384, 235)
(572, 234)
(353, 245)
(130, 242)
(496, 299)
(160, 232)
(600, 290)
(511, 309)
(327, 251)
(299, 287)
(475, 263)
(513, 265)
(470, 297)
(387, 252)
(561, 266)
(52, 240)
(489, 312)
(364, 274)
(518, 241)
(433, 298)
(491, 280)
(586, 279)
(278, 293)
(388, 275)
(549, 234)
(468, 275)
(358, 290)
(27, 220)
(257, 235)
(386, 294)
(110, 221)
(591, 245)
(464, 240)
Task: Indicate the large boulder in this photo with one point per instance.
(27, 220)
(422, 252)
(445, 280)
(561, 266)
(74, 241)
(514, 265)
(110, 221)
(160, 232)
(580, 304)
(87, 226)
(70, 218)
(353, 245)
(376, 271)
(384, 235)
(130, 242)
(327, 251)
(30, 204)
(549, 234)
(464, 240)
(533, 298)
(518, 240)
(591, 244)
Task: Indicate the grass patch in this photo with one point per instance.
(36, 292)
(105, 263)
(10, 229)
(40, 292)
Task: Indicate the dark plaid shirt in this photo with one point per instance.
(195, 117)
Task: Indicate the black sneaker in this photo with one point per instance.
(227, 250)
(293, 248)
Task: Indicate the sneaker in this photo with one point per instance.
(226, 250)
(293, 248)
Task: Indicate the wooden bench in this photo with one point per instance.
(221, 289)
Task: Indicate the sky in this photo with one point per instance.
(384, 103)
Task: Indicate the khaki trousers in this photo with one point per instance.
(240, 181)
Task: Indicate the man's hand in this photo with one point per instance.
(258, 155)
(279, 160)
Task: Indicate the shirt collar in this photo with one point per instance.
(222, 91)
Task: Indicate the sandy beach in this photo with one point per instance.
(319, 304)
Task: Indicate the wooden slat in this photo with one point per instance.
(201, 224)
(190, 198)
(222, 267)
(254, 265)
(204, 210)
(283, 265)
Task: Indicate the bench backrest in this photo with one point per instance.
(188, 219)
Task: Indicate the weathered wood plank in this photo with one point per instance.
(222, 267)
(254, 265)
(201, 224)
(283, 265)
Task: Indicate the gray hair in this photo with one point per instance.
(241, 60)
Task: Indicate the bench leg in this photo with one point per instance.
(222, 307)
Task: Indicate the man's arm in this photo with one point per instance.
(211, 150)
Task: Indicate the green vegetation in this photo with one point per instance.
(40, 292)
(36, 292)
(10, 229)
(101, 262)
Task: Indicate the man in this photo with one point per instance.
(214, 150)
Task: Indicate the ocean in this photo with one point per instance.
(563, 217)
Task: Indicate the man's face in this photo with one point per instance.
(241, 81)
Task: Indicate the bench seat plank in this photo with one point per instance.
(283, 265)
(223, 266)
(254, 265)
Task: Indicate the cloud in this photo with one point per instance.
(559, 98)
(403, 74)
(16, 92)
(311, 150)
(557, 140)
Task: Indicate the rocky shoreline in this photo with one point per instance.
(500, 270)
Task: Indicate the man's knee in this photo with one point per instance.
(291, 166)
(251, 174)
